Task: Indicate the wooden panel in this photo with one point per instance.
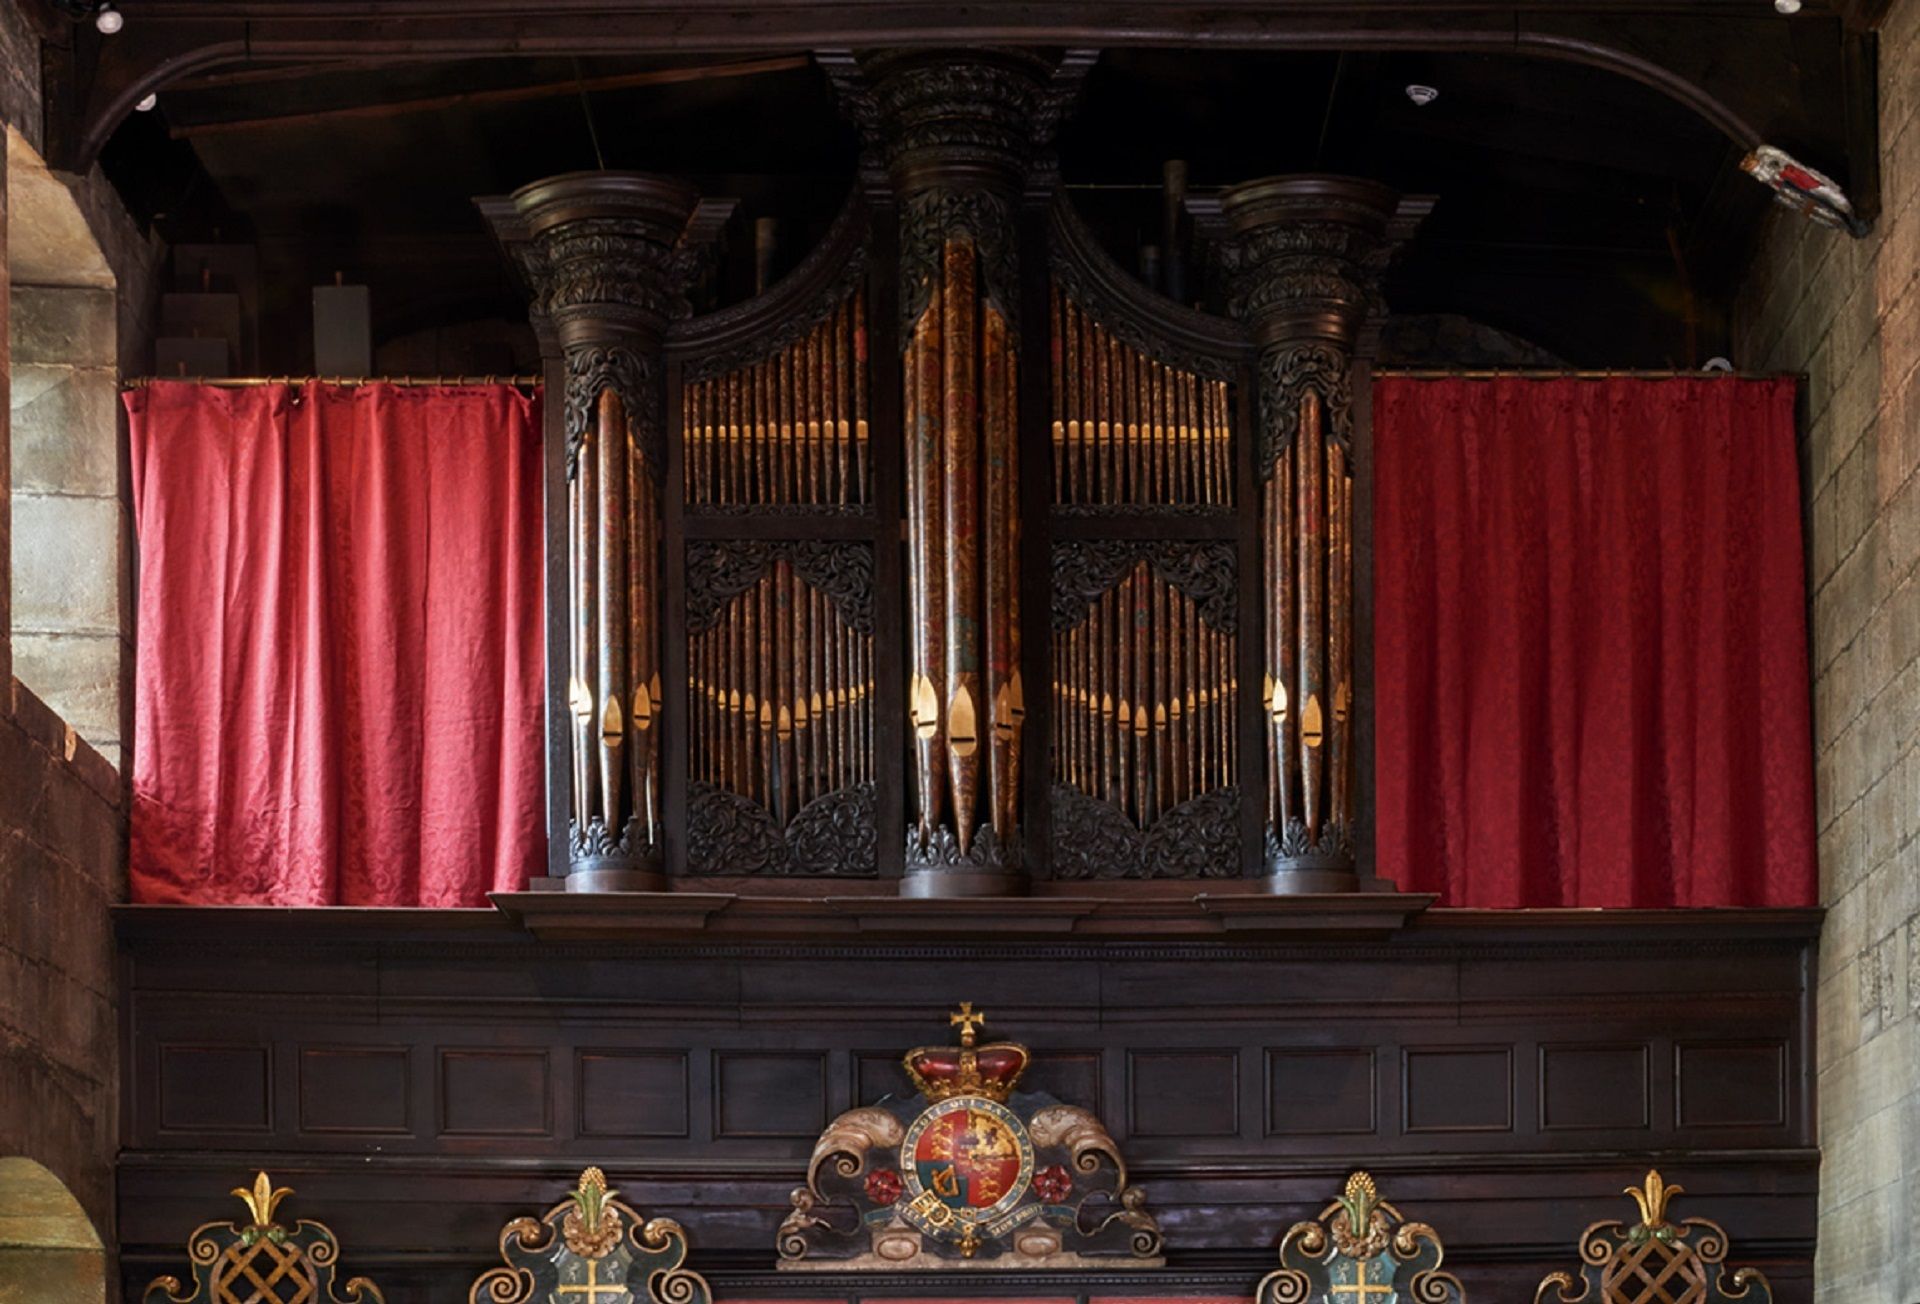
(1241, 1064)
(1321, 1092)
(1730, 1084)
(769, 1095)
(1593, 1087)
(361, 1090)
(214, 1088)
(1193, 1093)
(1458, 1090)
(495, 1093)
(625, 1093)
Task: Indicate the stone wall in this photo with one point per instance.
(62, 805)
(1847, 313)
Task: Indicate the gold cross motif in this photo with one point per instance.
(593, 1290)
(966, 1020)
(1363, 1287)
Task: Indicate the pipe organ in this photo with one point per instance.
(821, 544)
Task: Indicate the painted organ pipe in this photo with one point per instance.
(1309, 249)
(608, 278)
(954, 128)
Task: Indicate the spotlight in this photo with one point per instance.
(1422, 95)
(146, 105)
(108, 20)
(1787, 6)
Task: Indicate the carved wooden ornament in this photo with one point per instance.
(1655, 1261)
(592, 1248)
(263, 1261)
(1360, 1251)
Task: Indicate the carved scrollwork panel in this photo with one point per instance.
(1083, 569)
(1198, 839)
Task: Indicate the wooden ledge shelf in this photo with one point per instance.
(605, 916)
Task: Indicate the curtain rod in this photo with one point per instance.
(1540, 373)
(247, 382)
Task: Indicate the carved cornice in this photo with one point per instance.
(606, 256)
(1151, 324)
(1205, 571)
(719, 571)
(724, 341)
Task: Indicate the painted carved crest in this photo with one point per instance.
(1360, 1251)
(973, 1173)
(592, 1248)
(1655, 1261)
(263, 1261)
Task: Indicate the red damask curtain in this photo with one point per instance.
(1590, 643)
(338, 685)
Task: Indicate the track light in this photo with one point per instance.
(1787, 6)
(146, 105)
(108, 20)
(1422, 95)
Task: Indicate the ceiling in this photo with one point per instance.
(1588, 213)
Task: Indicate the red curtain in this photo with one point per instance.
(338, 693)
(1590, 643)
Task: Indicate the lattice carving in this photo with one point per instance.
(263, 1261)
(1657, 1260)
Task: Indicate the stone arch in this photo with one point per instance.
(49, 1252)
(70, 568)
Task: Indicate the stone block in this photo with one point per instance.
(79, 676)
(69, 326)
(66, 434)
(69, 559)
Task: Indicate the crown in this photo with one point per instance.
(990, 1071)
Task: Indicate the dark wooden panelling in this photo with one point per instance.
(1593, 1087)
(1730, 1084)
(214, 1088)
(631, 1094)
(1241, 1064)
(1458, 1090)
(1186, 1093)
(363, 1090)
(495, 1093)
(769, 1095)
(1321, 1092)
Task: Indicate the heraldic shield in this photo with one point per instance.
(592, 1248)
(263, 1261)
(973, 1174)
(1360, 1251)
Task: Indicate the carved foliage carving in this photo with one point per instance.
(1205, 572)
(930, 219)
(1286, 376)
(731, 834)
(635, 378)
(718, 572)
(1196, 839)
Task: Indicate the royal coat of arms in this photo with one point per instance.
(974, 1173)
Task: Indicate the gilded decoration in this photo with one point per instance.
(263, 1261)
(1360, 1250)
(975, 1173)
(593, 1248)
(1657, 1260)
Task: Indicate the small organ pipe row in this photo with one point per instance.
(1129, 431)
(790, 429)
(1144, 700)
(782, 696)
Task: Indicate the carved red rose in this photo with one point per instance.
(883, 1186)
(1053, 1184)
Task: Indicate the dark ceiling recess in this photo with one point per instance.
(1589, 214)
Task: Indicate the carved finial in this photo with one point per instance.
(1359, 1201)
(263, 1199)
(966, 1020)
(592, 1227)
(1653, 1198)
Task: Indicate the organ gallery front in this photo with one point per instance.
(957, 562)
